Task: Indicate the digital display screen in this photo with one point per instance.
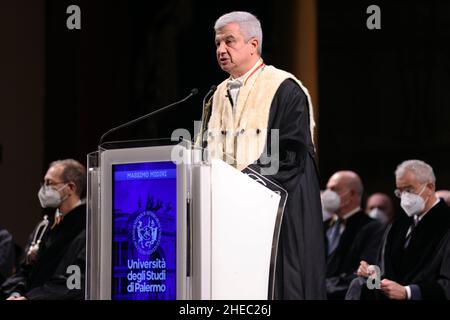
(144, 231)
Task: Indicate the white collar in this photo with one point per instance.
(248, 73)
(79, 203)
(351, 213)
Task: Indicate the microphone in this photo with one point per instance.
(191, 94)
(207, 96)
(212, 90)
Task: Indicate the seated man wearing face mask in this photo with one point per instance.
(43, 275)
(379, 206)
(415, 256)
(350, 235)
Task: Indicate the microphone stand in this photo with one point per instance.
(211, 91)
(192, 93)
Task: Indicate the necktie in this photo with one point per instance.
(414, 223)
(334, 235)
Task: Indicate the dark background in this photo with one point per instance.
(384, 95)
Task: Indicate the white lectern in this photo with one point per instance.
(163, 224)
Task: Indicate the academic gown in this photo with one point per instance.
(425, 261)
(300, 268)
(360, 241)
(7, 254)
(61, 247)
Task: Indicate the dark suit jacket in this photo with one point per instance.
(360, 241)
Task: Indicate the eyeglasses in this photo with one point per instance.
(398, 192)
(50, 183)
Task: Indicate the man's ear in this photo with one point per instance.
(254, 43)
(72, 187)
(431, 186)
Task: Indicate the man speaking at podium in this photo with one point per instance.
(255, 102)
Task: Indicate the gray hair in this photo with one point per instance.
(73, 172)
(248, 23)
(421, 170)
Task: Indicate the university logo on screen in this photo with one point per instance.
(144, 232)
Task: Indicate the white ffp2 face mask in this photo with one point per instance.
(412, 203)
(378, 214)
(330, 201)
(49, 197)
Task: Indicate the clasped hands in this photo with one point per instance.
(391, 289)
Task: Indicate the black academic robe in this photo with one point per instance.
(360, 240)
(426, 260)
(46, 278)
(7, 254)
(300, 269)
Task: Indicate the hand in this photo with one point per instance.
(364, 270)
(393, 290)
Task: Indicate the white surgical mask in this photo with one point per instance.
(326, 214)
(412, 203)
(49, 197)
(330, 201)
(378, 214)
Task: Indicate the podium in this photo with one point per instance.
(164, 224)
